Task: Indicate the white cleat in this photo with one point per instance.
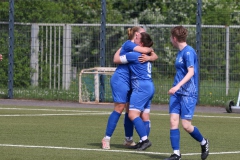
(129, 142)
(105, 143)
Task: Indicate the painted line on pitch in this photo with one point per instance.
(202, 116)
(102, 150)
(101, 113)
(91, 113)
(82, 149)
(59, 110)
(41, 115)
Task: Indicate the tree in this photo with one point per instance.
(221, 12)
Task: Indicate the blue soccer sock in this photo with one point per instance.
(175, 139)
(140, 128)
(128, 126)
(196, 135)
(112, 123)
(147, 126)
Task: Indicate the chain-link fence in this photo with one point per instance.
(54, 41)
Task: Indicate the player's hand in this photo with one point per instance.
(173, 90)
(143, 58)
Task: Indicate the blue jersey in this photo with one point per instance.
(120, 80)
(138, 70)
(122, 69)
(141, 80)
(128, 46)
(185, 59)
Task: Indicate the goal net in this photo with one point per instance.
(89, 84)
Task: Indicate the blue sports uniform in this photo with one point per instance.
(183, 102)
(141, 82)
(120, 85)
(120, 80)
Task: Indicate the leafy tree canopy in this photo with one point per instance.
(218, 12)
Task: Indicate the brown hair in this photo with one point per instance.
(180, 33)
(131, 32)
(146, 39)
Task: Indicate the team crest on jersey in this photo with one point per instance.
(188, 53)
(180, 60)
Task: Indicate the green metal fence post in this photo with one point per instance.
(11, 49)
(198, 38)
(102, 48)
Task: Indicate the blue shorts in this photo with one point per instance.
(120, 88)
(182, 105)
(142, 94)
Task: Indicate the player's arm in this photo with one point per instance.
(1, 57)
(119, 59)
(116, 58)
(187, 77)
(144, 58)
(144, 50)
(127, 58)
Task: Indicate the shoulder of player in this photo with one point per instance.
(128, 42)
(188, 50)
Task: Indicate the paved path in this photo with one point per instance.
(17, 102)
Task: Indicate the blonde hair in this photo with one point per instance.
(131, 32)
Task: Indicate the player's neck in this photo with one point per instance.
(182, 45)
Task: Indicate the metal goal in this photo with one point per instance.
(89, 83)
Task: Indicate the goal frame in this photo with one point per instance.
(96, 71)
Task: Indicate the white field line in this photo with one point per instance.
(86, 113)
(76, 112)
(205, 116)
(39, 115)
(102, 150)
(98, 113)
(58, 110)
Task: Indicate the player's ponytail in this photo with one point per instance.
(131, 32)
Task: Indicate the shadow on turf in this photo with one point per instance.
(120, 146)
(160, 157)
(151, 156)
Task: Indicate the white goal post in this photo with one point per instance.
(89, 83)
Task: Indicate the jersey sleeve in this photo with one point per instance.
(132, 57)
(189, 58)
(129, 46)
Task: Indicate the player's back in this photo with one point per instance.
(141, 79)
(141, 71)
(127, 46)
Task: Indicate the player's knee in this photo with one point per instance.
(174, 122)
(145, 117)
(119, 108)
(133, 114)
(187, 126)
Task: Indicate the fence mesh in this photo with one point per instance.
(55, 40)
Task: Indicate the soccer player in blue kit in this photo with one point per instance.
(184, 94)
(120, 84)
(142, 91)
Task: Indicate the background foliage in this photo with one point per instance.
(86, 39)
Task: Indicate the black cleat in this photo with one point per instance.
(205, 150)
(138, 145)
(144, 145)
(174, 157)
